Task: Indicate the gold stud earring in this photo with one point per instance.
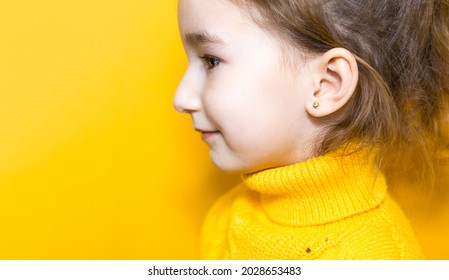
(315, 104)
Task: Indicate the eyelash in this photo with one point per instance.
(210, 61)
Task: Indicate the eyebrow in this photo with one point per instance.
(202, 38)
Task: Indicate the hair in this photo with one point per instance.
(402, 51)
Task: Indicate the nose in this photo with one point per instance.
(187, 96)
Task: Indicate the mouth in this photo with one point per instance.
(207, 135)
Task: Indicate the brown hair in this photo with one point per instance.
(402, 50)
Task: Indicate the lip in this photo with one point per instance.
(207, 135)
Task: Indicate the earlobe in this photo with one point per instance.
(336, 76)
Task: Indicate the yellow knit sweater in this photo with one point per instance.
(330, 207)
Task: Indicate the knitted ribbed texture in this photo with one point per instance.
(330, 207)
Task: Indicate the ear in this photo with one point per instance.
(335, 77)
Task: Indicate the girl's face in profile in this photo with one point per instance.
(244, 98)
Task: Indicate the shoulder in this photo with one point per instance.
(221, 207)
(215, 226)
(382, 233)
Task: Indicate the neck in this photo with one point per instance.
(320, 190)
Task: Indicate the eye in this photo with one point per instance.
(210, 61)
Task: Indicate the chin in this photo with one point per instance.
(229, 168)
(235, 167)
(226, 165)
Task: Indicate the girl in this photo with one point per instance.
(313, 102)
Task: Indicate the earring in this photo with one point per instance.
(315, 104)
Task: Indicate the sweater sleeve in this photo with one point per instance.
(215, 227)
(385, 235)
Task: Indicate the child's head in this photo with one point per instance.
(277, 82)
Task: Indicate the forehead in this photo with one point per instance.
(209, 10)
(224, 25)
(216, 21)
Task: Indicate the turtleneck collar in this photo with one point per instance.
(321, 190)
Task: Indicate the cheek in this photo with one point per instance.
(248, 112)
(252, 102)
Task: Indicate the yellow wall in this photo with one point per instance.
(94, 161)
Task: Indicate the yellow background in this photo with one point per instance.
(94, 161)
